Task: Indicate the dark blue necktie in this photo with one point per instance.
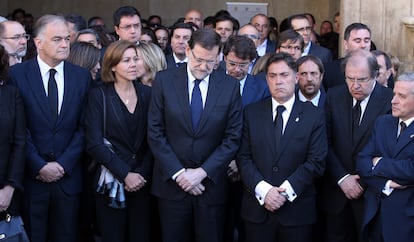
(53, 94)
(196, 104)
(278, 123)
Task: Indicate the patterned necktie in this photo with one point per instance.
(196, 104)
(53, 94)
(278, 123)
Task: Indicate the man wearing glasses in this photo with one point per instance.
(127, 24)
(194, 129)
(290, 42)
(351, 111)
(300, 24)
(14, 39)
(239, 52)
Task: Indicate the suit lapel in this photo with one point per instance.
(212, 96)
(180, 84)
(292, 125)
(372, 111)
(35, 82)
(269, 130)
(68, 91)
(249, 90)
(405, 138)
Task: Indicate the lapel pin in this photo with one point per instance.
(411, 136)
(297, 119)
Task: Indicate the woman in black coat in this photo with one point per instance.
(12, 142)
(128, 163)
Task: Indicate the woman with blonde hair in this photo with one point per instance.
(151, 59)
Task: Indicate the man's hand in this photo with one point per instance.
(351, 187)
(6, 194)
(233, 172)
(51, 172)
(395, 185)
(134, 182)
(274, 200)
(197, 190)
(191, 178)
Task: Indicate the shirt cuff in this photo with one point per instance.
(343, 178)
(373, 167)
(387, 190)
(177, 174)
(261, 189)
(291, 194)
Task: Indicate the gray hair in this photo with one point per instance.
(43, 21)
(406, 76)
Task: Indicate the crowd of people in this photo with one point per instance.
(203, 131)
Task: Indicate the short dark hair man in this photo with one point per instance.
(278, 168)
(127, 23)
(180, 35)
(194, 129)
(310, 75)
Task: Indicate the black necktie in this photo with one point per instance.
(403, 126)
(278, 123)
(180, 64)
(356, 114)
(196, 104)
(53, 94)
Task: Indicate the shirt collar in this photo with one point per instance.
(178, 60)
(288, 104)
(44, 68)
(191, 78)
(314, 100)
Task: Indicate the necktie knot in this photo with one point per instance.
(52, 73)
(280, 109)
(197, 82)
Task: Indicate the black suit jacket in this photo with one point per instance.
(321, 52)
(12, 137)
(63, 140)
(299, 158)
(174, 144)
(342, 152)
(271, 46)
(131, 155)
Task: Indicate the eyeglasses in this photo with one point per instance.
(129, 26)
(291, 47)
(199, 61)
(304, 29)
(358, 80)
(18, 37)
(235, 64)
(251, 36)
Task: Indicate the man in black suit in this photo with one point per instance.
(351, 111)
(180, 34)
(53, 93)
(282, 153)
(194, 131)
(300, 24)
(310, 74)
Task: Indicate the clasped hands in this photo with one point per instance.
(134, 182)
(51, 172)
(190, 181)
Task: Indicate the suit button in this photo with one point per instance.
(133, 156)
(275, 169)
